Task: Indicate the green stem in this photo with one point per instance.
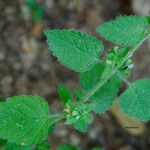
(90, 93)
(55, 118)
(132, 51)
(123, 78)
(102, 82)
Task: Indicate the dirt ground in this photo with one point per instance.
(27, 67)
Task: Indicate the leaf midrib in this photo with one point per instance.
(76, 48)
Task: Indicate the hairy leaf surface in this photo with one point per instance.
(96, 148)
(24, 119)
(76, 50)
(64, 94)
(105, 96)
(125, 30)
(43, 146)
(11, 146)
(135, 101)
(79, 94)
(67, 147)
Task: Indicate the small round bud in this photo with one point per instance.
(75, 113)
(131, 66)
(108, 62)
(77, 117)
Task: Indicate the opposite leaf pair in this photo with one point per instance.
(26, 120)
(101, 80)
(75, 113)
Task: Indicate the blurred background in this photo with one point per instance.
(27, 67)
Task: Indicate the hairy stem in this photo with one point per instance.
(55, 118)
(102, 82)
(132, 51)
(122, 78)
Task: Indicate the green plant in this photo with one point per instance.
(37, 10)
(27, 120)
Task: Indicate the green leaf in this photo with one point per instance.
(32, 4)
(2, 142)
(11, 146)
(64, 94)
(148, 19)
(67, 147)
(79, 94)
(105, 96)
(38, 14)
(81, 125)
(37, 8)
(89, 79)
(24, 119)
(76, 50)
(135, 101)
(43, 146)
(2, 100)
(125, 30)
(96, 148)
(55, 118)
(51, 129)
(79, 115)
